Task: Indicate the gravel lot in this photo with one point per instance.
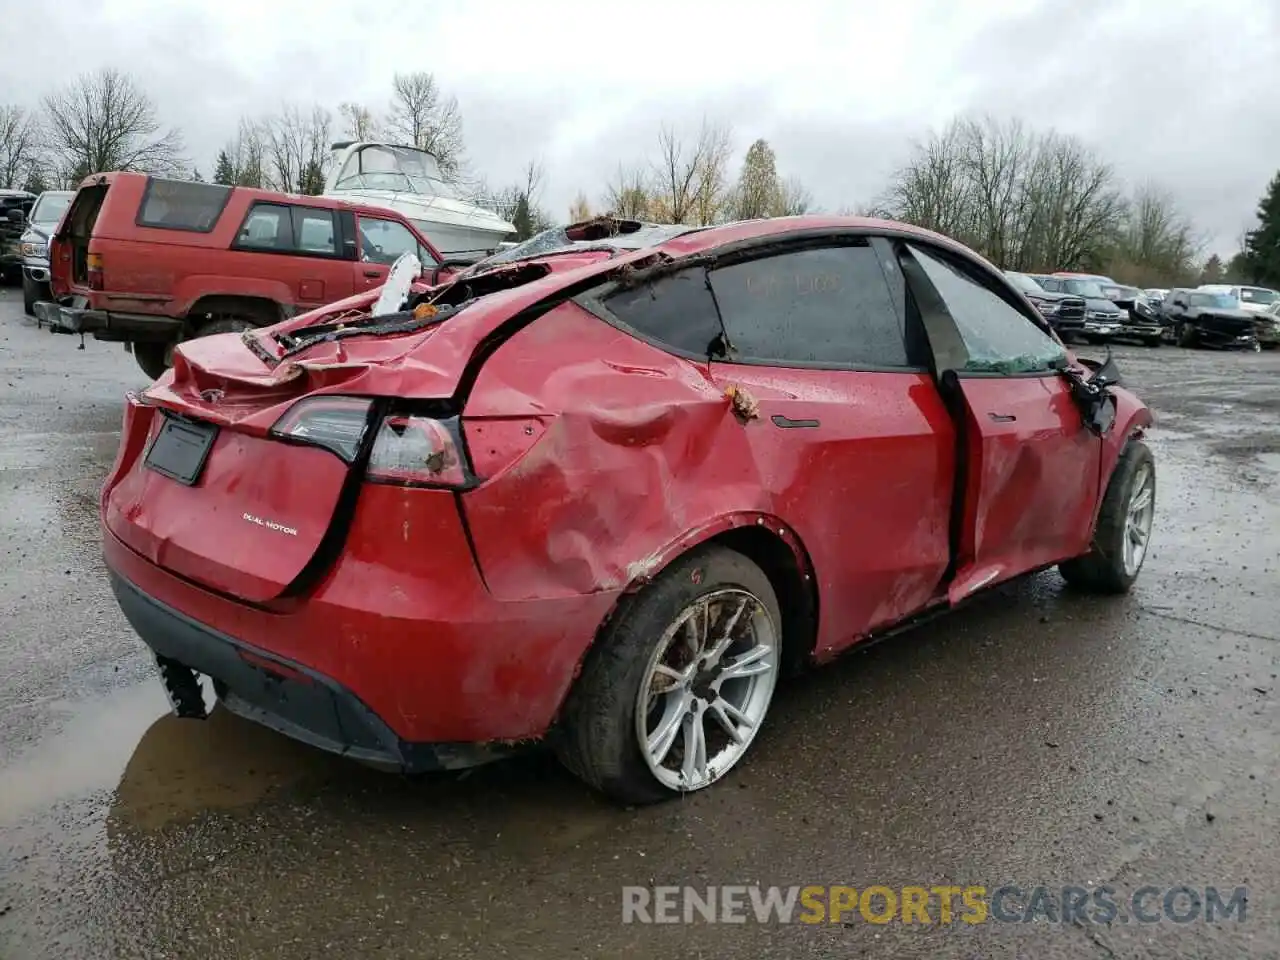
(1036, 736)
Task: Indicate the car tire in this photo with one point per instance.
(31, 291)
(153, 358)
(1186, 335)
(1152, 341)
(224, 324)
(648, 642)
(1122, 536)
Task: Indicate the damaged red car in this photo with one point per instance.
(601, 490)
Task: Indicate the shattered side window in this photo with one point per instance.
(825, 306)
(998, 337)
(677, 310)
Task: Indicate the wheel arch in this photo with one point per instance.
(768, 542)
(258, 308)
(1133, 418)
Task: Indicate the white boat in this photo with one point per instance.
(408, 180)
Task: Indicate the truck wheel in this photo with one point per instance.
(1186, 335)
(31, 292)
(224, 324)
(1152, 341)
(1123, 532)
(678, 682)
(153, 358)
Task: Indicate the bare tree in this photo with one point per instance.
(103, 121)
(689, 179)
(521, 202)
(358, 121)
(1156, 242)
(629, 194)
(792, 199)
(241, 160)
(1025, 201)
(424, 117)
(580, 209)
(296, 148)
(19, 146)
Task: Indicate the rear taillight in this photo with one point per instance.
(337, 424)
(419, 451)
(93, 265)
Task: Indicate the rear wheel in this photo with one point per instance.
(153, 358)
(225, 323)
(1123, 532)
(679, 682)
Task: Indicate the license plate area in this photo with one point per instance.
(181, 449)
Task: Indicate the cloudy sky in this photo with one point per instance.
(1182, 92)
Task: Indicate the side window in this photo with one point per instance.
(999, 337)
(314, 230)
(267, 227)
(816, 307)
(182, 205)
(676, 310)
(382, 241)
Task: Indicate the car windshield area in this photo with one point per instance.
(1024, 283)
(1219, 301)
(1259, 295)
(582, 237)
(1085, 288)
(404, 169)
(50, 207)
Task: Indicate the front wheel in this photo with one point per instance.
(1186, 335)
(679, 682)
(1123, 531)
(1152, 341)
(31, 292)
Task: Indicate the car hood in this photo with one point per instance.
(1100, 303)
(1225, 313)
(38, 232)
(1052, 296)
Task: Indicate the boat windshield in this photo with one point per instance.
(383, 167)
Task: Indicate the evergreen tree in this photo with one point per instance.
(1262, 246)
(224, 173)
(1212, 272)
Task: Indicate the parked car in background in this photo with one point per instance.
(1268, 326)
(1156, 295)
(15, 205)
(34, 246)
(1202, 318)
(1102, 318)
(419, 538)
(1140, 320)
(1095, 277)
(1064, 311)
(151, 262)
(1253, 299)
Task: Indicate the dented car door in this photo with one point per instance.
(1030, 465)
(816, 342)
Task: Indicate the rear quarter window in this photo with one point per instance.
(676, 311)
(182, 205)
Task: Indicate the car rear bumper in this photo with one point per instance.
(287, 697)
(105, 325)
(400, 664)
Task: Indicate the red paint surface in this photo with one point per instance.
(601, 459)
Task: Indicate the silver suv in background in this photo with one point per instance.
(1253, 299)
(34, 245)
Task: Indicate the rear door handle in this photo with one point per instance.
(787, 423)
(1002, 417)
(373, 274)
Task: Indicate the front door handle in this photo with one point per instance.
(1002, 417)
(373, 274)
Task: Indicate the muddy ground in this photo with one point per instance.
(1038, 736)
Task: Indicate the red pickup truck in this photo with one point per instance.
(151, 262)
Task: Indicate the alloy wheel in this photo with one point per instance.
(707, 688)
(1137, 524)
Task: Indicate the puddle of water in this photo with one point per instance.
(160, 768)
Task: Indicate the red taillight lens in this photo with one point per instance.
(418, 451)
(337, 424)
